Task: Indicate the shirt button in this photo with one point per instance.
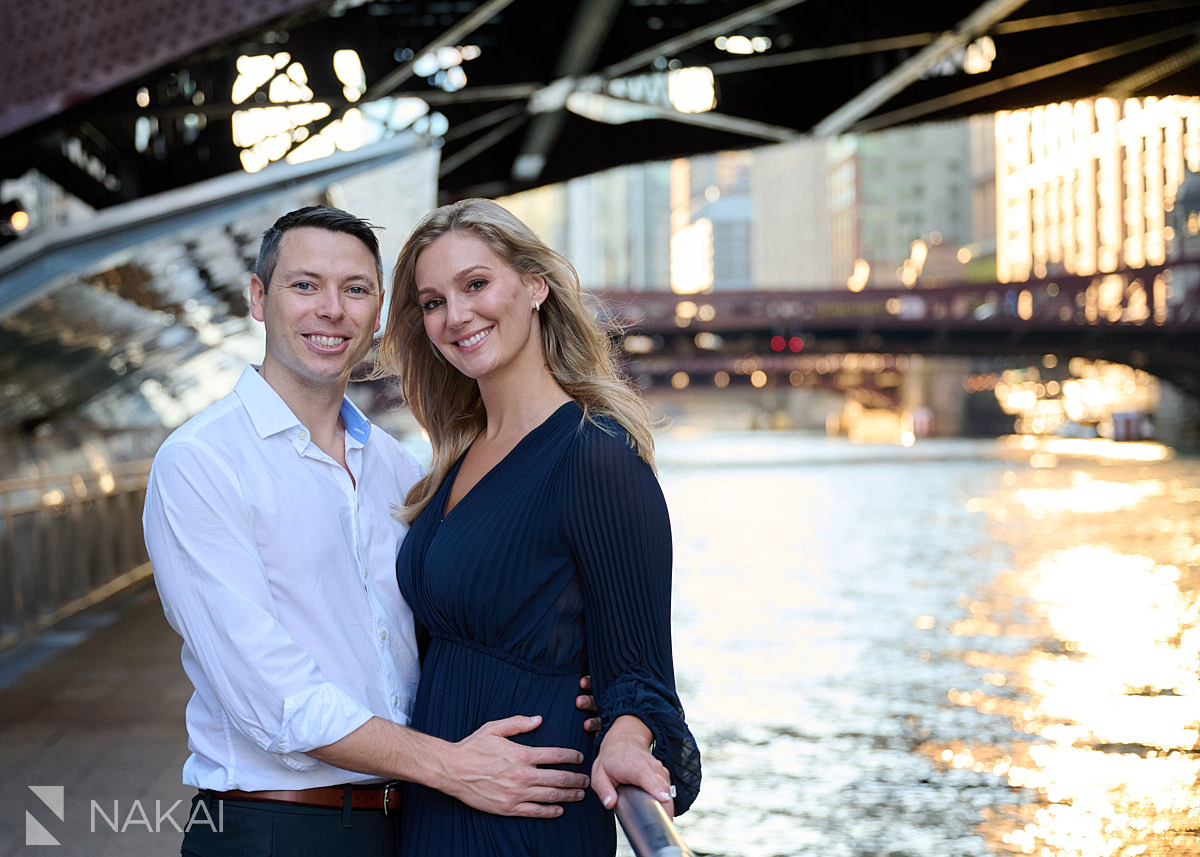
(303, 435)
(383, 635)
(395, 701)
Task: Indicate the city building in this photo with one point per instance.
(716, 194)
(900, 205)
(1086, 186)
(790, 226)
(613, 226)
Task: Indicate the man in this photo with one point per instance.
(268, 523)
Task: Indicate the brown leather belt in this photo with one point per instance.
(385, 796)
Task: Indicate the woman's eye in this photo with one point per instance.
(431, 304)
(476, 285)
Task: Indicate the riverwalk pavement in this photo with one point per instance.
(92, 736)
(91, 713)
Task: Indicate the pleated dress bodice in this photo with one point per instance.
(554, 565)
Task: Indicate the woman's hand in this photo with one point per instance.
(624, 759)
(587, 702)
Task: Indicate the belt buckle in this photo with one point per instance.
(387, 787)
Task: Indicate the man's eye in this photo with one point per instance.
(303, 286)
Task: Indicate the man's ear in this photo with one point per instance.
(257, 293)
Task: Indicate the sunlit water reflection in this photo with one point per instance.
(953, 649)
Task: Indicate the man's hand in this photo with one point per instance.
(587, 702)
(625, 759)
(487, 771)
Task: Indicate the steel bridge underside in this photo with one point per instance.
(119, 100)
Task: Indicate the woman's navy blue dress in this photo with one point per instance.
(557, 563)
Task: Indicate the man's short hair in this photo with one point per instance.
(319, 217)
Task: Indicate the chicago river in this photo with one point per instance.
(960, 648)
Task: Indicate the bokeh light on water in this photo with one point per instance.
(1106, 689)
(958, 648)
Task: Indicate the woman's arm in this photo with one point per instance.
(620, 537)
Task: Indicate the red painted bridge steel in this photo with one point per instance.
(1147, 317)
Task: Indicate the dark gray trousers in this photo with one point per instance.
(227, 828)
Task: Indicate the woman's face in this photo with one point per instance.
(478, 310)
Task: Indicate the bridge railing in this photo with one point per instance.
(1155, 295)
(647, 828)
(66, 542)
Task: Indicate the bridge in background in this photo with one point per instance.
(1148, 318)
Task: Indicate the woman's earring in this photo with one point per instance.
(536, 306)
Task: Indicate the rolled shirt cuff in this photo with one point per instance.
(315, 717)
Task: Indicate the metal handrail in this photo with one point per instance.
(649, 831)
(68, 540)
(30, 493)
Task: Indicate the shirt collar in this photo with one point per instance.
(358, 427)
(270, 414)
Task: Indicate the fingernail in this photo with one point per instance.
(587, 781)
(663, 796)
(608, 802)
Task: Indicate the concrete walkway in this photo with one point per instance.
(95, 706)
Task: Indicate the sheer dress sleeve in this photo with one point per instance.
(620, 536)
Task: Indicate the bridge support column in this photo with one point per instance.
(1177, 420)
(935, 384)
(811, 410)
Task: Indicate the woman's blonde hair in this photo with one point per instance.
(579, 352)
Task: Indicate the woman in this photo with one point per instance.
(540, 544)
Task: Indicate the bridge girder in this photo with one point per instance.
(1128, 317)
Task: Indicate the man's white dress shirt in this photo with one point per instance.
(279, 572)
